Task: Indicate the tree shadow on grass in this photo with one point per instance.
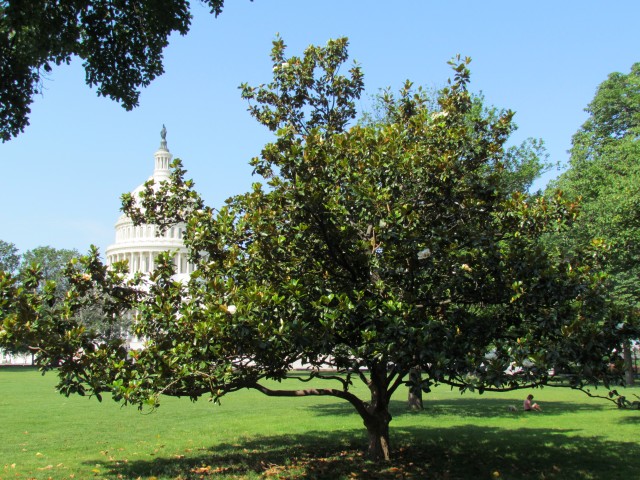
(448, 453)
(632, 420)
(471, 407)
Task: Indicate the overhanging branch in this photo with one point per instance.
(307, 392)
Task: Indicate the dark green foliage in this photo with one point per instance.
(36, 306)
(604, 174)
(520, 165)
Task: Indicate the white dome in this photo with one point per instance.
(139, 245)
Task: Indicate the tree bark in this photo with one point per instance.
(378, 431)
(415, 392)
(377, 416)
(628, 364)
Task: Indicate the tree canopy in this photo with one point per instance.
(614, 115)
(41, 272)
(9, 257)
(120, 44)
(604, 174)
(366, 251)
(52, 263)
(521, 164)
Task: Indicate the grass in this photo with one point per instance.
(44, 435)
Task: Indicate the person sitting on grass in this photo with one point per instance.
(528, 406)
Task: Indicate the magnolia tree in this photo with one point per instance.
(372, 250)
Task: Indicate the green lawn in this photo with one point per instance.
(45, 435)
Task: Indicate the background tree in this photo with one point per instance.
(371, 250)
(9, 257)
(52, 263)
(9, 263)
(41, 269)
(120, 44)
(33, 307)
(604, 173)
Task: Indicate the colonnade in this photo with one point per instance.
(144, 261)
(131, 232)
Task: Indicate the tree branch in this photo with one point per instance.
(588, 393)
(331, 392)
(510, 388)
(318, 375)
(398, 381)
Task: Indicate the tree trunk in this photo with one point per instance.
(378, 430)
(377, 417)
(628, 364)
(415, 392)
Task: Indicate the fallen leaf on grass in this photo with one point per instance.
(274, 471)
(48, 467)
(210, 471)
(206, 470)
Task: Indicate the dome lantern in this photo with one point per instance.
(163, 158)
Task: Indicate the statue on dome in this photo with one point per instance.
(163, 132)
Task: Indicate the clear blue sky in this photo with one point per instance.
(61, 180)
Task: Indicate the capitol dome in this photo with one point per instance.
(140, 245)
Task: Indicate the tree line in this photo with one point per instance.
(45, 271)
(52, 261)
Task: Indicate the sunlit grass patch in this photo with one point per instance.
(45, 435)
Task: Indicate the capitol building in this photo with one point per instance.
(140, 245)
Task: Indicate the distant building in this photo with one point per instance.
(140, 245)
